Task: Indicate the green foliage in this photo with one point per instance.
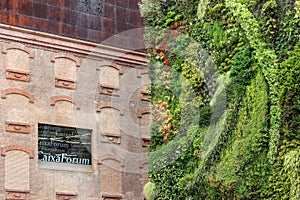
(228, 74)
(241, 71)
(292, 168)
(288, 30)
(269, 19)
(289, 80)
(150, 191)
(267, 61)
(249, 143)
(153, 10)
(201, 8)
(290, 70)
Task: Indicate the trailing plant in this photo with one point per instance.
(268, 63)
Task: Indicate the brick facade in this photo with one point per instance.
(52, 79)
(92, 20)
(53, 70)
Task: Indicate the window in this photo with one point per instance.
(60, 144)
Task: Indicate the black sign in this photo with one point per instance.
(62, 144)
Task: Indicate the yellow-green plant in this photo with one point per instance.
(150, 191)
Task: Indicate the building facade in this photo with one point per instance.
(75, 118)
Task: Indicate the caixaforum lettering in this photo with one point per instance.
(63, 158)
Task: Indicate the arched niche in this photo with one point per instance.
(17, 61)
(111, 175)
(19, 110)
(64, 109)
(108, 120)
(109, 79)
(64, 113)
(65, 70)
(17, 170)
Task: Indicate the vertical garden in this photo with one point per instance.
(225, 93)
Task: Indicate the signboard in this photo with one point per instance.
(62, 144)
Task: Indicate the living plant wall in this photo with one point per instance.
(225, 99)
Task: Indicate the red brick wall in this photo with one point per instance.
(62, 17)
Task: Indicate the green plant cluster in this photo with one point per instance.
(227, 75)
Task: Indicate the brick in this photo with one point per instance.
(138, 19)
(17, 110)
(81, 32)
(122, 26)
(122, 3)
(102, 105)
(25, 7)
(60, 28)
(4, 4)
(108, 88)
(40, 24)
(118, 16)
(3, 16)
(122, 14)
(70, 17)
(11, 194)
(93, 35)
(20, 47)
(134, 17)
(68, 30)
(134, 32)
(70, 4)
(17, 148)
(139, 31)
(66, 57)
(13, 18)
(60, 2)
(17, 75)
(62, 196)
(55, 99)
(98, 24)
(25, 21)
(42, 1)
(141, 24)
(132, 26)
(65, 83)
(57, 2)
(104, 36)
(91, 21)
(17, 91)
(54, 27)
(108, 25)
(113, 2)
(40, 10)
(118, 41)
(82, 19)
(134, 4)
(109, 11)
(17, 127)
(136, 44)
(56, 13)
(13, 5)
